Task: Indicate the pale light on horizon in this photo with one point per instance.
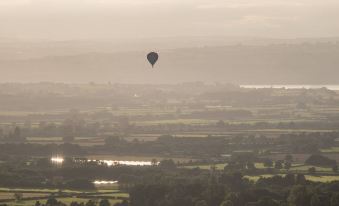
(93, 19)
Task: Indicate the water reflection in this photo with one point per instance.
(291, 86)
(57, 160)
(101, 182)
(128, 163)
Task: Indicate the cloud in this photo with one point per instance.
(249, 4)
(144, 18)
(14, 2)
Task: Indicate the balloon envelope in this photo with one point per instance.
(152, 58)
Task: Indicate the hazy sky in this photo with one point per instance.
(73, 19)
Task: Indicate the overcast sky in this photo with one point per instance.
(83, 19)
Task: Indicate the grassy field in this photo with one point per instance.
(325, 178)
(176, 121)
(322, 178)
(257, 177)
(305, 168)
(221, 166)
(41, 195)
(113, 188)
(331, 150)
(67, 201)
(296, 167)
(207, 166)
(116, 195)
(82, 141)
(28, 190)
(10, 195)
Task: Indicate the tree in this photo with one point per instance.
(167, 164)
(74, 204)
(250, 165)
(312, 170)
(104, 202)
(220, 124)
(227, 203)
(278, 165)
(17, 133)
(235, 166)
(287, 165)
(335, 199)
(300, 179)
(113, 140)
(268, 163)
(1, 133)
(298, 196)
(315, 200)
(154, 162)
(68, 139)
(301, 105)
(90, 203)
(123, 203)
(200, 203)
(18, 196)
(124, 124)
(43, 163)
(51, 201)
(267, 201)
(37, 203)
(83, 184)
(289, 179)
(288, 158)
(335, 168)
(231, 199)
(319, 160)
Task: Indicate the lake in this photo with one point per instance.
(120, 162)
(292, 86)
(104, 182)
(60, 160)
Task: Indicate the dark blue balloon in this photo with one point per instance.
(152, 58)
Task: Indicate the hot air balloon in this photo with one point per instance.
(152, 58)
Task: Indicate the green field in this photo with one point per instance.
(331, 150)
(41, 195)
(176, 121)
(67, 201)
(28, 190)
(325, 178)
(116, 195)
(220, 166)
(305, 168)
(207, 166)
(257, 177)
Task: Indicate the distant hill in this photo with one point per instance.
(282, 63)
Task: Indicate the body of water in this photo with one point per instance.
(291, 86)
(104, 182)
(119, 162)
(60, 160)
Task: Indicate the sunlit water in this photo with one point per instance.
(60, 160)
(291, 86)
(57, 160)
(118, 162)
(103, 182)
